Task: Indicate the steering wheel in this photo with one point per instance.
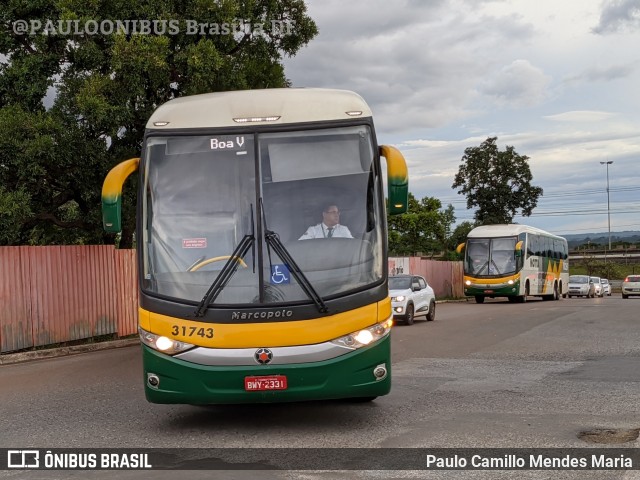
(202, 263)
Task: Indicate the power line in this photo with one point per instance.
(564, 230)
(568, 193)
(581, 212)
(589, 192)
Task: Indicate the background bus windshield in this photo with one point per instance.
(490, 257)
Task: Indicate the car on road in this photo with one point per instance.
(631, 286)
(581, 286)
(411, 296)
(607, 286)
(598, 285)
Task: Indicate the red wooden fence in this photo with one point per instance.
(444, 277)
(59, 294)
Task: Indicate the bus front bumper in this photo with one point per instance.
(498, 290)
(348, 376)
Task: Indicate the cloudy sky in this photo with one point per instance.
(557, 80)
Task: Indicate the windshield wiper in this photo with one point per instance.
(481, 269)
(498, 272)
(225, 274)
(230, 267)
(273, 241)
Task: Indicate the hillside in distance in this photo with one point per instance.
(602, 238)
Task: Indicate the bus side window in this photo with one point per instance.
(539, 246)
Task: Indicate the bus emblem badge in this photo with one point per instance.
(263, 356)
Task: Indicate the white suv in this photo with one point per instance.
(411, 296)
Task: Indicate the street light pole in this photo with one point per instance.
(607, 163)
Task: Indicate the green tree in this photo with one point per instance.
(458, 236)
(74, 105)
(496, 183)
(424, 229)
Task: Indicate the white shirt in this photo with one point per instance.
(322, 231)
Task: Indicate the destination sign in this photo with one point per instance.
(227, 142)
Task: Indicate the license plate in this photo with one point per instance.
(488, 291)
(270, 382)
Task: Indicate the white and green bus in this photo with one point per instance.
(234, 306)
(514, 261)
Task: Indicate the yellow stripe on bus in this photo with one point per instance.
(267, 334)
(492, 281)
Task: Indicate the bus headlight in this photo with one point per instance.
(467, 283)
(163, 344)
(366, 336)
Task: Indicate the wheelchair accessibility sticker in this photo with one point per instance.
(280, 275)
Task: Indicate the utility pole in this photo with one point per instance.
(607, 163)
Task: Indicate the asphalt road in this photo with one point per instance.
(493, 375)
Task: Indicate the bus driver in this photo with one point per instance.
(329, 227)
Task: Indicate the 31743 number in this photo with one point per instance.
(191, 331)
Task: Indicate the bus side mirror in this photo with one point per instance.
(397, 180)
(460, 248)
(112, 194)
(518, 250)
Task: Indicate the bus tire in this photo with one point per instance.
(408, 317)
(523, 298)
(479, 299)
(556, 294)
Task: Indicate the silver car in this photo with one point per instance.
(607, 286)
(581, 286)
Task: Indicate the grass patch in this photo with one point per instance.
(610, 270)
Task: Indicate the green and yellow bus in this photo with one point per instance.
(514, 261)
(234, 306)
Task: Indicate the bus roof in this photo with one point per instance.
(505, 230)
(289, 105)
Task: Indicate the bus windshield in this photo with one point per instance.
(490, 256)
(205, 194)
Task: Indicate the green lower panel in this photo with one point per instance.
(347, 376)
